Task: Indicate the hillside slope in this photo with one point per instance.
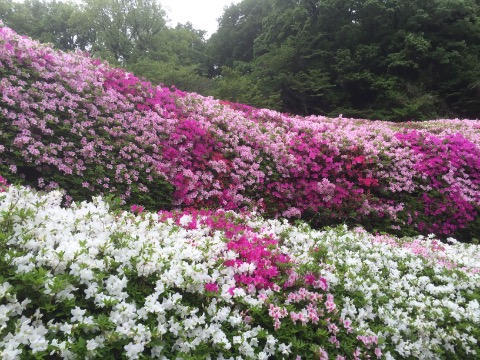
(76, 123)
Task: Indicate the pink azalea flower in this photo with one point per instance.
(3, 184)
(137, 209)
(211, 287)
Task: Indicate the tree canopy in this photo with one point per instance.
(377, 59)
(364, 58)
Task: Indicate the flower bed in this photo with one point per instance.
(89, 282)
(71, 122)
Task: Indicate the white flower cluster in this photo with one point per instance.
(402, 291)
(137, 284)
(105, 256)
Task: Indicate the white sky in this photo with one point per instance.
(203, 14)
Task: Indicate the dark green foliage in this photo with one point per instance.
(374, 59)
(234, 86)
(239, 27)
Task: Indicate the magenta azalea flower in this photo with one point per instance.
(3, 184)
(137, 209)
(211, 287)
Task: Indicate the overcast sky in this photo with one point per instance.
(203, 14)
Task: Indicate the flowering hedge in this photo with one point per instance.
(75, 123)
(88, 282)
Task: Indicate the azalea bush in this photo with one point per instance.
(75, 123)
(88, 281)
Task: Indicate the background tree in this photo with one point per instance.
(132, 34)
(178, 57)
(377, 59)
(125, 29)
(238, 28)
(57, 22)
(387, 59)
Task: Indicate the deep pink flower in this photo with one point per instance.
(211, 287)
(3, 184)
(231, 291)
(137, 209)
(309, 279)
